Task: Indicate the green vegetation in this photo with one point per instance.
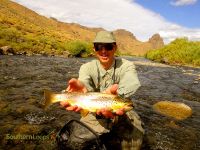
(26, 32)
(79, 48)
(41, 44)
(180, 51)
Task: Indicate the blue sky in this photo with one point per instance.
(170, 18)
(187, 15)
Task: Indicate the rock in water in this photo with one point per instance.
(177, 110)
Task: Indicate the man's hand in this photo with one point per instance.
(74, 86)
(112, 90)
(107, 113)
(70, 108)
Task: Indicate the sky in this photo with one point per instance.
(170, 18)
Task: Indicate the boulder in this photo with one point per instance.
(7, 50)
(66, 54)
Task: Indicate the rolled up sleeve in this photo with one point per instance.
(85, 78)
(129, 81)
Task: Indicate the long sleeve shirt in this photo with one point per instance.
(121, 72)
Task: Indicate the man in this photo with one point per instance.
(114, 76)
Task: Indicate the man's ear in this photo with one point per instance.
(93, 49)
(115, 48)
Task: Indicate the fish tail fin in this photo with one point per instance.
(48, 97)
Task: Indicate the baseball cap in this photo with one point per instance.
(104, 37)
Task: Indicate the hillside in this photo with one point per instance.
(28, 32)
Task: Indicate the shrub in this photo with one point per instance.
(180, 51)
(78, 48)
(30, 38)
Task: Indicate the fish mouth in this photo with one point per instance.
(128, 107)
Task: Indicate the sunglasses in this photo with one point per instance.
(106, 46)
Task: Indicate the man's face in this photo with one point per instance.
(105, 52)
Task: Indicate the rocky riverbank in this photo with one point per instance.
(23, 80)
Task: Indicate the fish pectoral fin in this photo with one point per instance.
(84, 112)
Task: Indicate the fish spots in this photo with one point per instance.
(91, 101)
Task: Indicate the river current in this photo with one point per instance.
(25, 125)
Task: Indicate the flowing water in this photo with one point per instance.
(25, 125)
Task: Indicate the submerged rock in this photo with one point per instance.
(27, 128)
(177, 110)
(39, 118)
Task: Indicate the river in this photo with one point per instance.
(25, 125)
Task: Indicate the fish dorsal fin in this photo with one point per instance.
(84, 112)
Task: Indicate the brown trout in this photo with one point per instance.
(89, 102)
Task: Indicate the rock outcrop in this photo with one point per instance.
(156, 41)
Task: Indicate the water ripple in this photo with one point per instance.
(38, 118)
